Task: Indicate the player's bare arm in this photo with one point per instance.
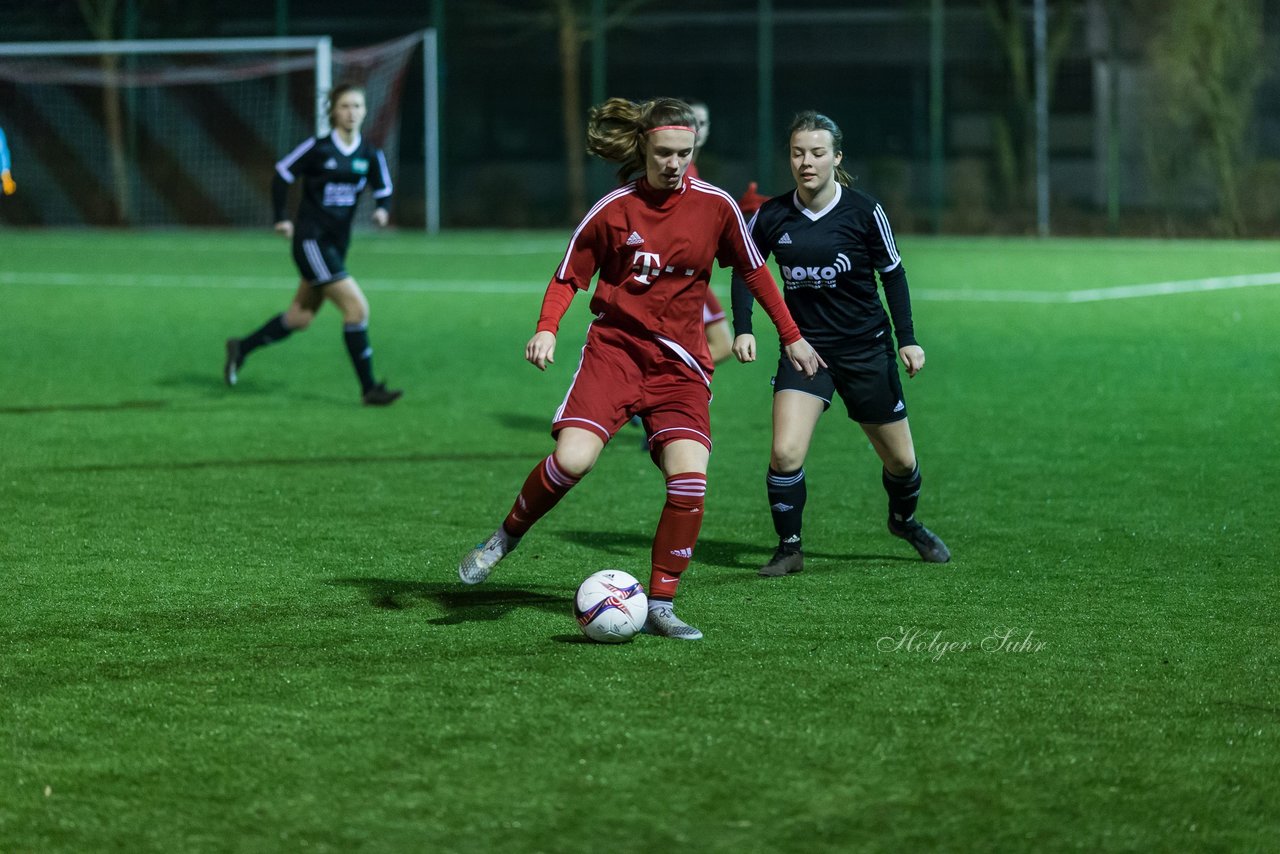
(744, 347)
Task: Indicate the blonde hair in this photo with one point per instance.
(616, 129)
(811, 120)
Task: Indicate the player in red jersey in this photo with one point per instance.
(715, 321)
(714, 318)
(652, 241)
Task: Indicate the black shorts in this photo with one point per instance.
(866, 380)
(320, 262)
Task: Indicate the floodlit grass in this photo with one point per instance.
(232, 619)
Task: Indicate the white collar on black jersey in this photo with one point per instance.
(346, 150)
(795, 198)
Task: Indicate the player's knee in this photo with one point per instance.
(298, 319)
(901, 465)
(576, 460)
(786, 453)
(787, 456)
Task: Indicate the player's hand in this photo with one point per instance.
(804, 358)
(912, 357)
(9, 185)
(381, 217)
(284, 227)
(541, 350)
(744, 347)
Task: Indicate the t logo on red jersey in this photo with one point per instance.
(646, 266)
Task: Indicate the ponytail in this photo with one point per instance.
(617, 130)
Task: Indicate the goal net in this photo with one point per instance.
(177, 132)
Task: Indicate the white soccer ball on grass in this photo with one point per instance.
(611, 606)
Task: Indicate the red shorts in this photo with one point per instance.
(621, 375)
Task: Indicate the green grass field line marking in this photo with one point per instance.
(496, 286)
(370, 243)
(450, 458)
(162, 280)
(1219, 283)
(1187, 286)
(936, 295)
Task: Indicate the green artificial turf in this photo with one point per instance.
(232, 621)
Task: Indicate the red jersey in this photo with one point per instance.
(654, 250)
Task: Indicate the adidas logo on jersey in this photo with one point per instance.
(685, 553)
(331, 163)
(635, 239)
(784, 240)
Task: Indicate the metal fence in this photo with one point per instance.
(1156, 117)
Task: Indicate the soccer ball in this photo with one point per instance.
(610, 606)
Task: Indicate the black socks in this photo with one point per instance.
(904, 494)
(272, 331)
(786, 502)
(356, 336)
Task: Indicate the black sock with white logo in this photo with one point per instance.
(356, 336)
(786, 502)
(904, 494)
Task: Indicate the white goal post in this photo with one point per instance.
(38, 79)
(320, 47)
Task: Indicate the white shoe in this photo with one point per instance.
(480, 561)
(663, 622)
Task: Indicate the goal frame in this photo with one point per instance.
(321, 47)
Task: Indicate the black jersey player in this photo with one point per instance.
(830, 242)
(333, 170)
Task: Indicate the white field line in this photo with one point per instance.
(371, 245)
(1186, 286)
(496, 286)
(164, 280)
(934, 295)
(1221, 283)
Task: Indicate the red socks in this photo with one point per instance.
(677, 532)
(678, 527)
(542, 490)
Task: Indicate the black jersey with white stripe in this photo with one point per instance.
(828, 262)
(333, 176)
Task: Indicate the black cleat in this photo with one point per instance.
(233, 362)
(380, 395)
(931, 548)
(783, 562)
